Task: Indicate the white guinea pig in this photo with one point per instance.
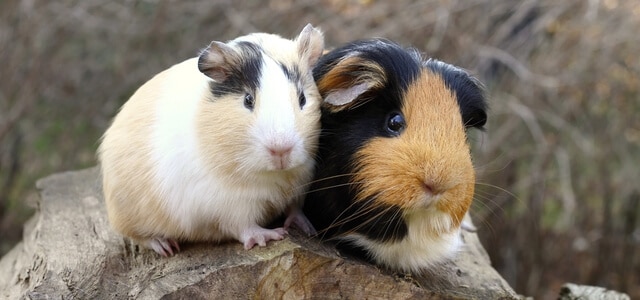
(216, 147)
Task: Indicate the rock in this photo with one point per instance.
(571, 291)
(70, 252)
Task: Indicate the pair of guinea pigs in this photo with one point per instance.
(371, 137)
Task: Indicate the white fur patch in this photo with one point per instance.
(193, 195)
(421, 248)
(275, 124)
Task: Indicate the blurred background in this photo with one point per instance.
(558, 166)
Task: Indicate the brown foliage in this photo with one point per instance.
(557, 198)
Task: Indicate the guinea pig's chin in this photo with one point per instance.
(422, 210)
(429, 220)
(426, 201)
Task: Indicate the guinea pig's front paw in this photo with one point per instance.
(164, 247)
(258, 235)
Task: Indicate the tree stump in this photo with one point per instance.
(69, 251)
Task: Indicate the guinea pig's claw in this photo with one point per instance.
(260, 236)
(164, 247)
(175, 245)
(301, 221)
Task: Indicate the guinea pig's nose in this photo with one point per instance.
(427, 188)
(281, 151)
(280, 156)
(431, 188)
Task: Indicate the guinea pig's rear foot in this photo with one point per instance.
(297, 217)
(260, 236)
(164, 247)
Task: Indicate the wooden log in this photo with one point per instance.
(69, 251)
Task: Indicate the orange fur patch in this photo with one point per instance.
(433, 149)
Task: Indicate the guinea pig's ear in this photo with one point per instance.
(468, 90)
(310, 43)
(216, 61)
(343, 85)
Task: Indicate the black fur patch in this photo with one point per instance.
(468, 91)
(245, 75)
(402, 66)
(330, 205)
(292, 73)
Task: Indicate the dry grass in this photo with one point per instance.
(558, 198)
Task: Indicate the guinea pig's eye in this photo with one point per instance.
(249, 102)
(396, 123)
(302, 99)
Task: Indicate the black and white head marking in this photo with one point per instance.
(244, 76)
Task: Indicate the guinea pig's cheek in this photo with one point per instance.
(456, 202)
(299, 154)
(382, 174)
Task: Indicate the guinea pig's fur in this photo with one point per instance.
(394, 175)
(217, 146)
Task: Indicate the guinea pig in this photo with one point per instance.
(218, 146)
(394, 177)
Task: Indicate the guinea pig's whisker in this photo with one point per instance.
(484, 194)
(484, 168)
(484, 200)
(372, 204)
(485, 223)
(489, 202)
(456, 219)
(489, 196)
(497, 188)
(337, 222)
(362, 212)
(334, 223)
(330, 177)
(304, 186)
(397, 224)
(388, 225)
(331, 186)
(328, 187)
(375, 218)
(396, 212)
(490, 205)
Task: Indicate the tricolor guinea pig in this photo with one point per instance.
(394, 175)
(216, 147)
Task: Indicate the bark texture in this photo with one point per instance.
(572, 291)
(69, 251)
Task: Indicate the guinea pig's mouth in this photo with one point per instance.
(431, 192)
(291, 167)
